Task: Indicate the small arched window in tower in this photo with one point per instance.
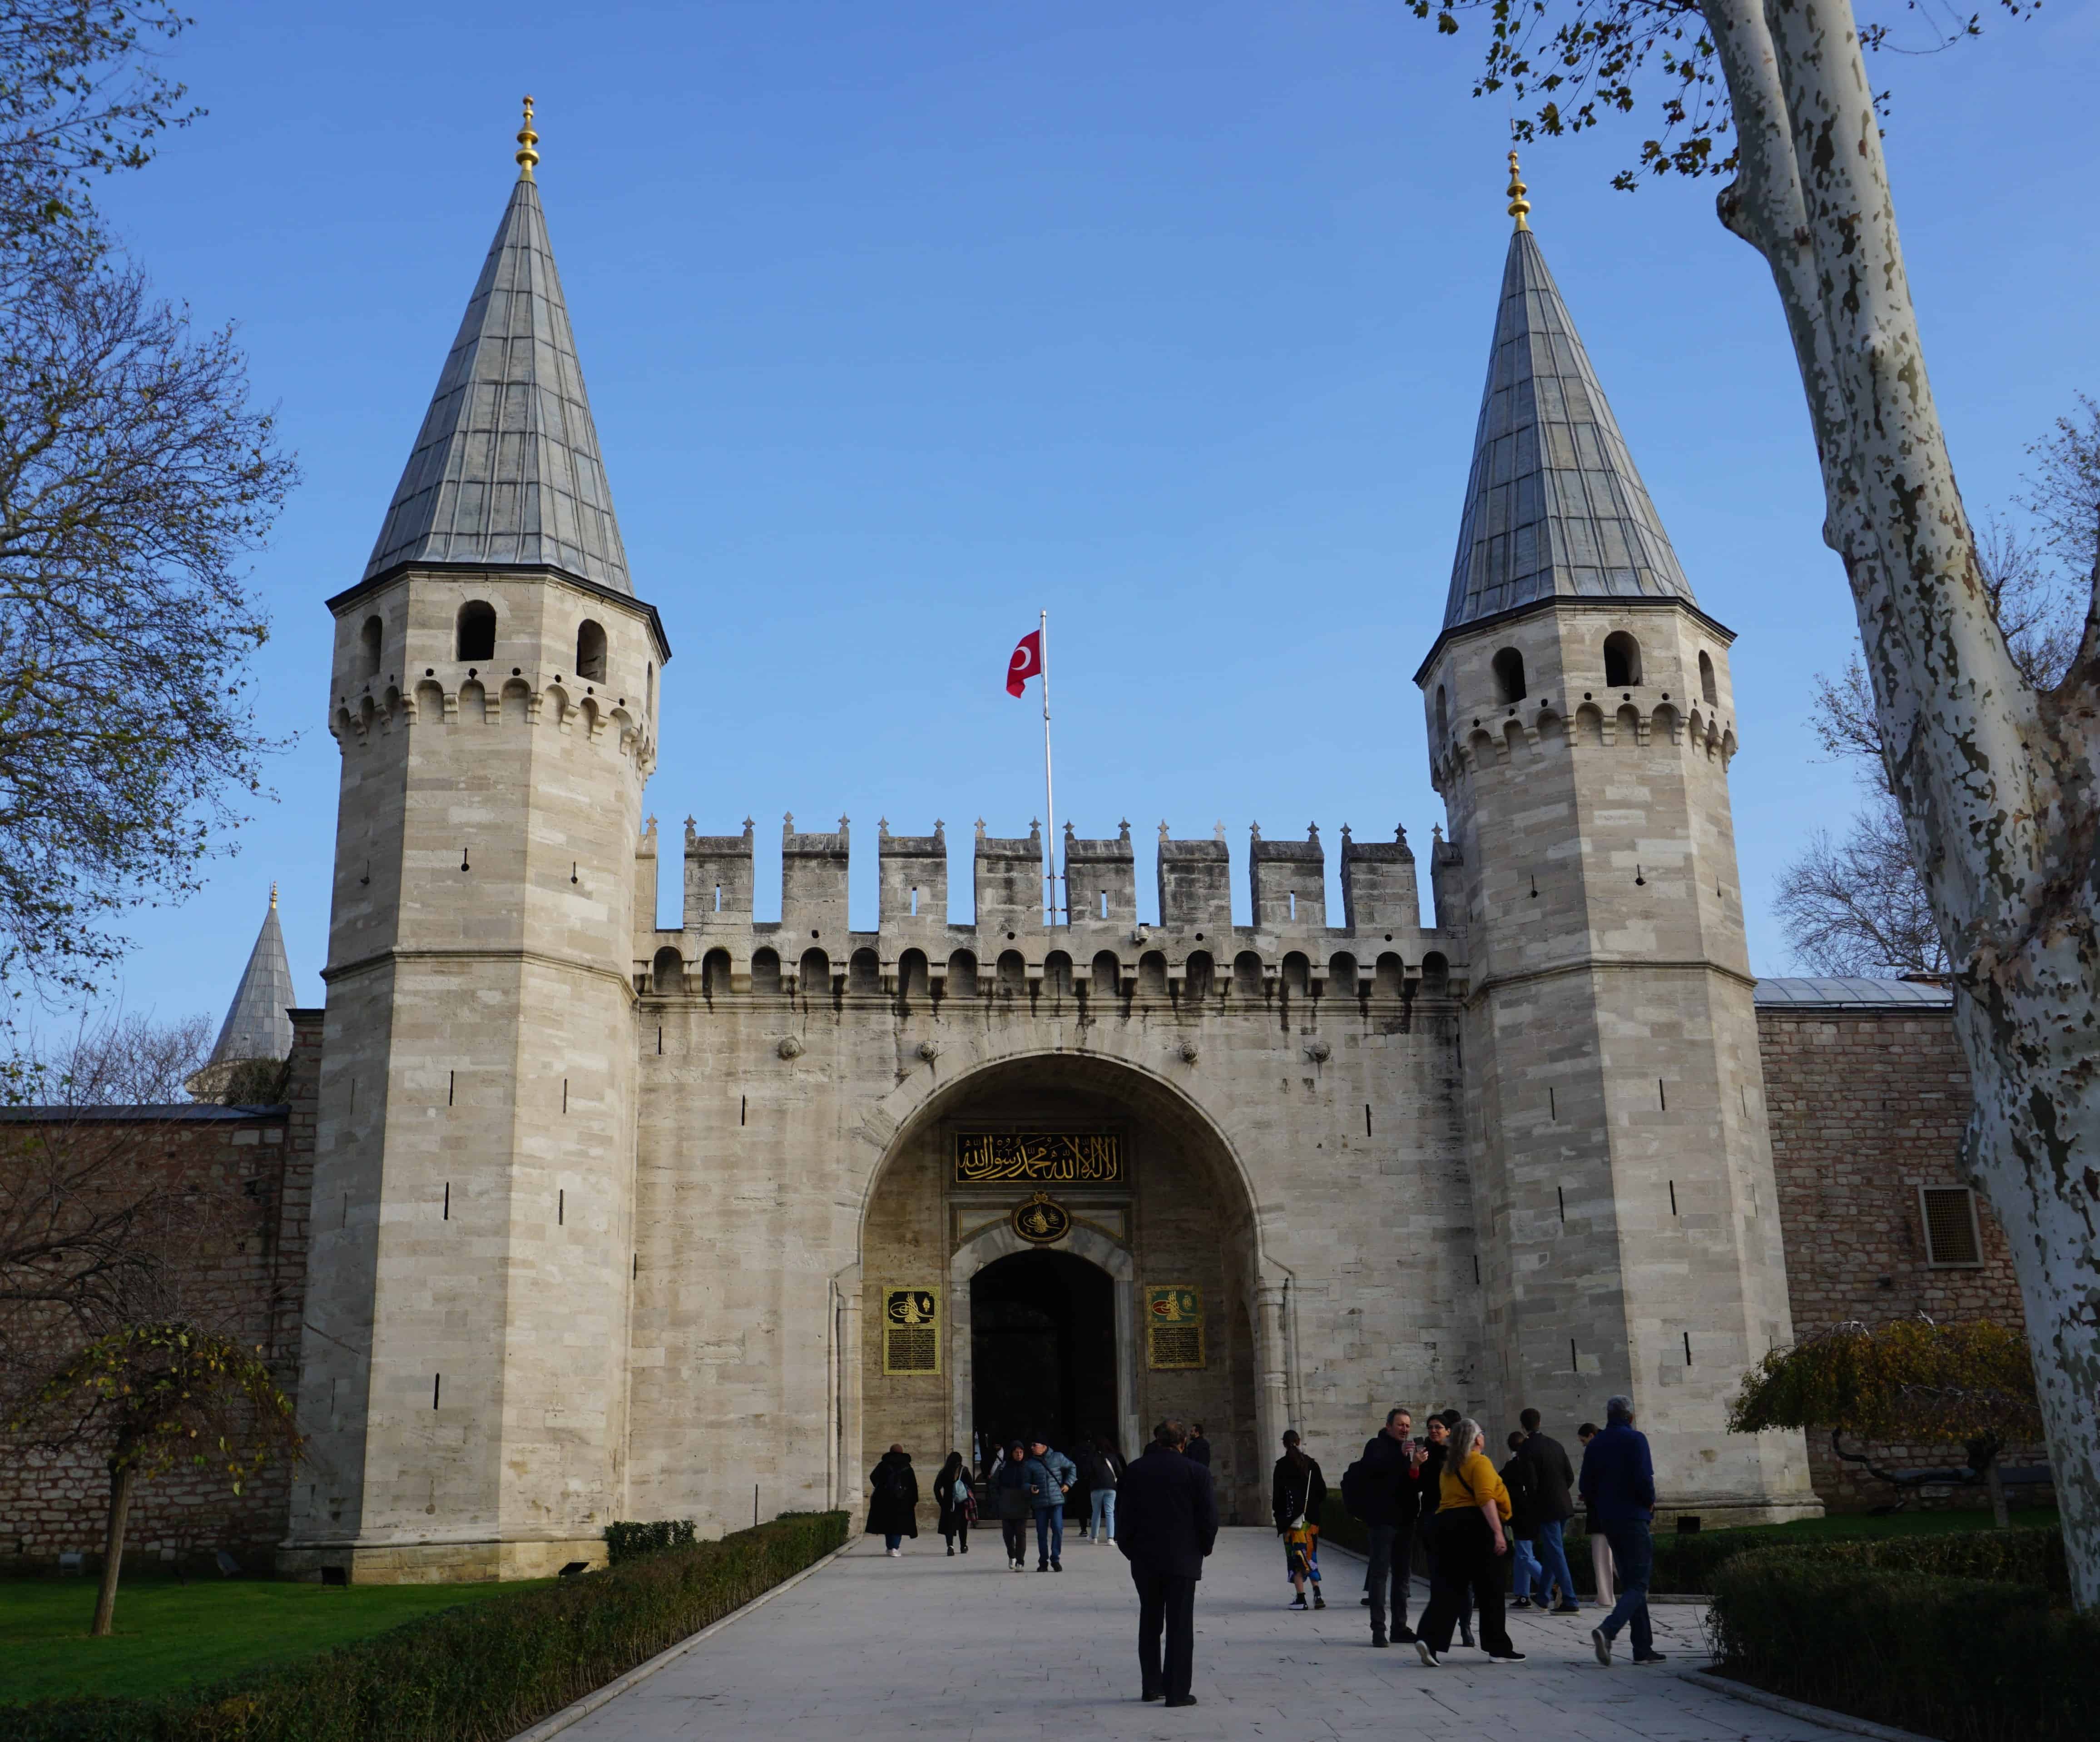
(1706, 681)
(1443, 718)
(368, 640)
(590, 650)
(651, 691)
(1621, 661)
(476, 630)
(1509, 674)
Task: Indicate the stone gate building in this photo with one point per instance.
(607, 1221)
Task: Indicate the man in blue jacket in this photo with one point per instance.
(1168, 1522)
(1618, 1486)
(1050, 1475)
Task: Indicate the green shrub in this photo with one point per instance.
(477, 1674)
(1965, 1660)
(624, 1540)
(1689, 1565)
(1337, 1527)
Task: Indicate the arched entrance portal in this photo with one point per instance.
(1043, 1351)
(1062, 1243)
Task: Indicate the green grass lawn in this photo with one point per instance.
(169, 1634)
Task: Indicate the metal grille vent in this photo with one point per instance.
(1950, 1225)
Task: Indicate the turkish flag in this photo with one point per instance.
(1027, 662)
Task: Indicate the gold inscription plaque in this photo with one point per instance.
(990, 1158)
(912, 1330)
(1173, 1327)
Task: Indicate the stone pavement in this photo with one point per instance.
(873, 1649)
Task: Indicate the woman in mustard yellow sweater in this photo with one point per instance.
(1471, 1544)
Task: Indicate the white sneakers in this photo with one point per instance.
(894, 1553)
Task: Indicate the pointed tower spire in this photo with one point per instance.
(256, 1025)
(1555, 505)
(507, 471)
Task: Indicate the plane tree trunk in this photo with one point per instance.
(1997, 780)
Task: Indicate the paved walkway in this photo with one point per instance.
(872, 1649)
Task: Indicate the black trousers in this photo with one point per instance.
(1015, 1531)
(1392, 1571)
(1466, 1564)
(958, 1525)
(1164, 1601)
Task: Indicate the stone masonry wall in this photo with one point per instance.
(1867, 1106)
(238, 1268)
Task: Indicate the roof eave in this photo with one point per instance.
(351, 596)
(1613, 601)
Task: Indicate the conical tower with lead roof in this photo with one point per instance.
(1581, 724)
(494, 697)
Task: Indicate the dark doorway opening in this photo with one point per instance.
(1042, 1350)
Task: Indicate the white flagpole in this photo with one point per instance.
(1049, 792)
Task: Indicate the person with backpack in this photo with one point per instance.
(1297, 1494)
(1384, 1489)
(892, 1507)
(1050, 1476)
(1099, 1471)
(956, 1496)
(1009, 1487)
(1523, 1526)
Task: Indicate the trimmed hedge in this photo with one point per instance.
(624, 1540)
(477, 1674)
(1965, 1660)
(1688, 1565)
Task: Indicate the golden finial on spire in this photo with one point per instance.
(526, 140)
(273, 896)
(1518, 205)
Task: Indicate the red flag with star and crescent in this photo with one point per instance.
(1026, 663)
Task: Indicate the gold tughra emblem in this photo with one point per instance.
(1091, 1158)
(910, 1330)
(1042, 1219)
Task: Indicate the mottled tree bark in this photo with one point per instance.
(1995, 779)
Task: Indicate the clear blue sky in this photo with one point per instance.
(900, 322)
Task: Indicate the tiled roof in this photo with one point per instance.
(507, 470)
(1555, 505)
(1850, 994)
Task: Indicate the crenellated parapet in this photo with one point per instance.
(1635, 677)
(1194, 958)
(501, 703)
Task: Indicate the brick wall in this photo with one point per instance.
(1867, 1106)
(237, 1267)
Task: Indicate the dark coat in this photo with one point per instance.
(894, 1509)
(1552, 1478)
(1524, 1498)
(1395, 1484)
(1293, 1492)
(953, 1515)
(1167, 1516)
(1009, 1486)
(1199, 1451)
(1618, 1477)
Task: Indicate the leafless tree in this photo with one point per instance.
(1856, 904)
(92, 1228)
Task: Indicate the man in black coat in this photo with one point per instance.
(1393, 1466)
(1167, 1522)
(1198, 1448)
(1552, 1487)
